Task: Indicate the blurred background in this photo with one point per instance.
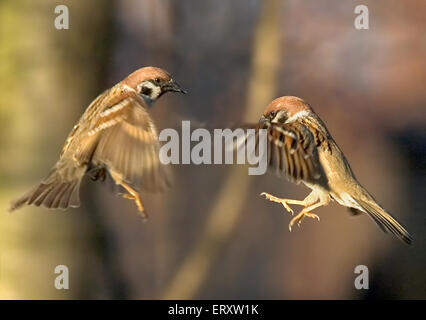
(211, 235)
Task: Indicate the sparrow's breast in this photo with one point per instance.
(341, 182)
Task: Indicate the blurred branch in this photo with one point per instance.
(221, 222)
(48, 83)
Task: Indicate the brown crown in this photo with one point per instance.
(146, 73)
(289, 103)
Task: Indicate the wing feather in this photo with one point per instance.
(128, 145)
(291, 150)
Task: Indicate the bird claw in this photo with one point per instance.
(272, 198)
(137, 200)
(127, 196)
(298, 219)
(287, 207)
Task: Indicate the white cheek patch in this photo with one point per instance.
(155, 90)
(277, 117)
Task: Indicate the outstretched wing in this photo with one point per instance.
(127, 144)
(291, 150)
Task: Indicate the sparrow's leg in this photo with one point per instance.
(306, 212)
(132, 194)
(310, 199)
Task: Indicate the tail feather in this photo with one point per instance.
(385, 221)
(53, 192)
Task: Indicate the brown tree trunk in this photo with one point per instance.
(48, 77)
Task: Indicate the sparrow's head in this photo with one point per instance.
(152, 83)
(284, 108)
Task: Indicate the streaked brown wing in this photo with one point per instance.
(127, 143)
(60, 189)
(292, 151)
(79, 146)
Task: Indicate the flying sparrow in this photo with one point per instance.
(300, 146)
(115, 135)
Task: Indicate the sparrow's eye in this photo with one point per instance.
(157, 80)
(272, 114)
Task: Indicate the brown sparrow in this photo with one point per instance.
(300, 146)
(115, 135)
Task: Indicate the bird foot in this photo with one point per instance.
(298, 219)
(138, 202)
(284, 202)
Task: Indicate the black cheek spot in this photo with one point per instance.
(146, 91)
(282, 119)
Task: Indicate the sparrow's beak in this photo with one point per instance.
(263, 121)
(172, 86)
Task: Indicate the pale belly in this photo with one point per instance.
(339, 179)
